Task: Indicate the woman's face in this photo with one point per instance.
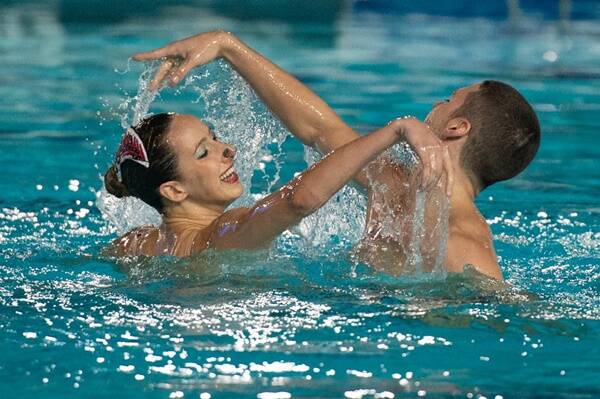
(205, 164)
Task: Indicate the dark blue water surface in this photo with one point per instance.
(298, 320)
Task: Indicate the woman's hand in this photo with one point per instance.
(434, 155)
(181, 56)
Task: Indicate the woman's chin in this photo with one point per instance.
(235, 191)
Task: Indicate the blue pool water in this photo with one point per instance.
(299, 320)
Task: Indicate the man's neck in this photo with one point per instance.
(463, 195)
(470, 240)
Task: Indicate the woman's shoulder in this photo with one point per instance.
(140, 241)
(202, 239)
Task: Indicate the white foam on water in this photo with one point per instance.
(407, 227)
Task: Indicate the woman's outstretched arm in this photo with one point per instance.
(254, 227)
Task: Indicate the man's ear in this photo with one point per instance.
(456, 128)
(173, 191)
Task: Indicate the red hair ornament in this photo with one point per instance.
(132, 148)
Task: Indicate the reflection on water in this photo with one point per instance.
(240, 322)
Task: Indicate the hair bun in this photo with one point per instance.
(112, 183)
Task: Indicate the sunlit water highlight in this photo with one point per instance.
(303, 320)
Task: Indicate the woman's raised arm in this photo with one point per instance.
(303, 112)
(254, 227)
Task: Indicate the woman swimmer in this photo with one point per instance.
(177, 165)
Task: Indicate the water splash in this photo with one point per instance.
(235, 112)
(407, 228)
(136, 108)
(124, 214)
(240, 118)
(337, 224)
(237, 115)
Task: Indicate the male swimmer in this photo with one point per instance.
(487, 132)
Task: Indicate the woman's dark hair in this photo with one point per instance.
(137, 180)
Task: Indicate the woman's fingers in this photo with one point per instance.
(154, 54)
(425, 177)
(449, 172)
(433, 154)
(425, 167)
(159, 76)
(436, 170)
(180, 72)
(431, 167)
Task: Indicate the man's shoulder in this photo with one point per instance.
(470, 243)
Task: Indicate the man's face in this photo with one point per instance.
(442, 111)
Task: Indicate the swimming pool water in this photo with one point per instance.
(299, 320)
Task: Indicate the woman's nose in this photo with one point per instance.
(229, 152)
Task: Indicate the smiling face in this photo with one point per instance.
(204, 164)
(442, 111)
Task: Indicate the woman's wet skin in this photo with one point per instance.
(205, 165)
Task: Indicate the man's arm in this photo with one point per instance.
(311, 119)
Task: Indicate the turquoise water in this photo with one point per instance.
(299, 320)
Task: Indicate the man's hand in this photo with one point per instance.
(434, 155)
(181, 56)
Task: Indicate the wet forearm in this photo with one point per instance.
(315, 186)
(306, 115)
